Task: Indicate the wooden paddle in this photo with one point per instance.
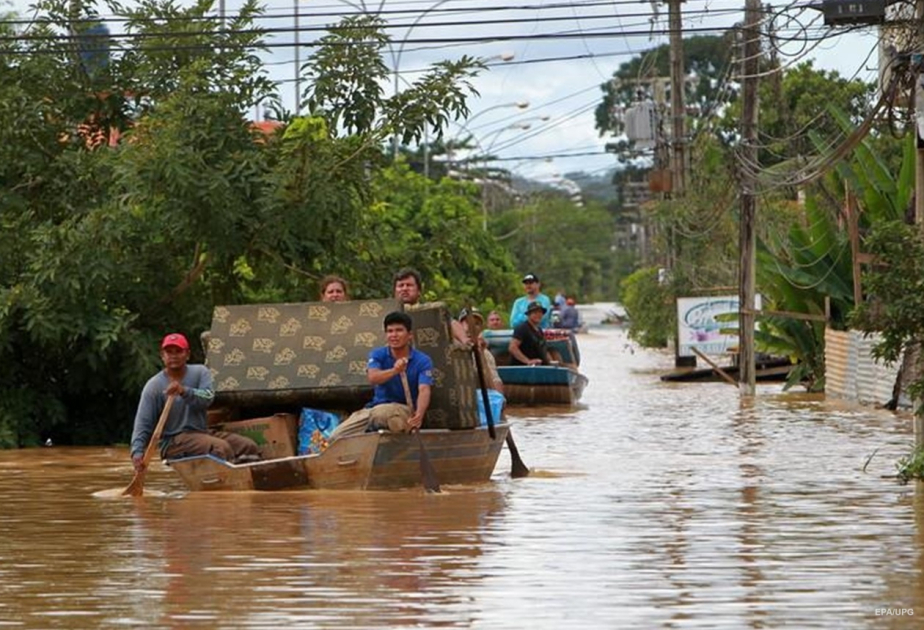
(427, 473)
(136, 487)
(479, 366)
(517, 467)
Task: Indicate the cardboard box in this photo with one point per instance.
(274, 435)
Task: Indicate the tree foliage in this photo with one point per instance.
(651, 307)
(103, 249)
(566, 245)
(707, 59)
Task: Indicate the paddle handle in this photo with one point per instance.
(158, 431)
(136, 487)
(407, 392)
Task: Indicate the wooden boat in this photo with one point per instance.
(372, 461)
(560, 384)
(542, 384)
(271, 362)
(772, 369)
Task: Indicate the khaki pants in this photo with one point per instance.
(228, 446)
(391, 416)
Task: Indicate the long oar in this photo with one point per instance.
(427, 473)
(479, 366)
(136, 487)
(517, 467)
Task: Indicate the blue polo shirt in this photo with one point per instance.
(419, 372)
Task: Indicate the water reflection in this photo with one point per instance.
(654, 505)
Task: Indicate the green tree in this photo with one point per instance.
(435, 227)
(707, 60)
(568, 246)
(796, 104)
(104, 250)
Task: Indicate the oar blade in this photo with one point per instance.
(136, 487)
(518, 469)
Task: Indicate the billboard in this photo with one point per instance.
(699, 325)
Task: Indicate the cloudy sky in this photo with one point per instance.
(551, 54)
(562, 51)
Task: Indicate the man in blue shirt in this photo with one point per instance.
(518, 312)
(388, 408)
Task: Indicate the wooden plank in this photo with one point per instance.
(790, 314)
(853, 230)
(715, 367)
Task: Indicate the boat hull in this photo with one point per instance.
(372, 461)
(542, 384)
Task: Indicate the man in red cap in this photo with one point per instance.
(186, 431)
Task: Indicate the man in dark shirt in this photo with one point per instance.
(528, 347)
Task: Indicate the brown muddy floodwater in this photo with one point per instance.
(653, 505)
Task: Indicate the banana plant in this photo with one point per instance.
(813, 261)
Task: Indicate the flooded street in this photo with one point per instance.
(653, 505)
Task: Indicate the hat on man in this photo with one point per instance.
(175, 339)
(464, 313)
(530, 277)
(535, 306)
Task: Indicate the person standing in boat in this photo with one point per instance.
(388, 408)
(407, 286)
(528, 345)
(186, 431)
(533, 295)
(568, 316)
(334, 289)
(407, 290)
(490, 364)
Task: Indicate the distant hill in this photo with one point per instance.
(598, 187)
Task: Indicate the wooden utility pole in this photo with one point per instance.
(678, 161)
(748, 161)
(919, 184)
(298, 63)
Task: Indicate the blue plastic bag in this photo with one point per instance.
(497, 402)
(314, 429)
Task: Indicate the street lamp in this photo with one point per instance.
(517, 104)
(484, 148)
(508, 56)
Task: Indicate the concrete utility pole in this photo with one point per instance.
(748, 159)
(678, 160)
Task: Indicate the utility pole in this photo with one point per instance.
(919, 179)
(748, 161)
(678, 161)
(298, 63)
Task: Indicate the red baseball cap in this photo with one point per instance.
(175, 339)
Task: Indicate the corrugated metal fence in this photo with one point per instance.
(850, 371)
